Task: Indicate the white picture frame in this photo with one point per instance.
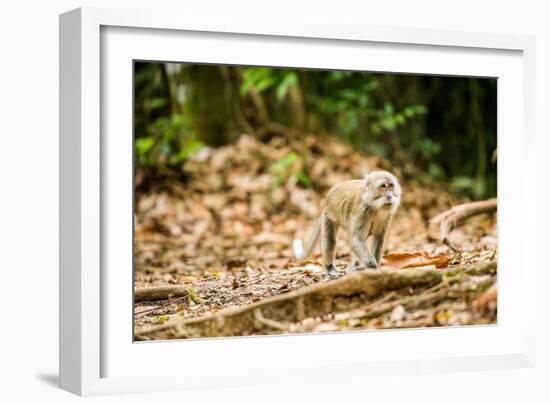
(97, 354)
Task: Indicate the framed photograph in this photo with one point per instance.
(242, 202)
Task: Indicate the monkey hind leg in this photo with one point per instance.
(328, 244)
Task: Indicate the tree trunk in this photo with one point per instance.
(297, 108)
(211, 105)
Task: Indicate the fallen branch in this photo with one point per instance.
(454, 217)
(314, 300)
(160, 292)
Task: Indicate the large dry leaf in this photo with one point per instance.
(404, 260)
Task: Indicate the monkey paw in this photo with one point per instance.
(372, 265)
(332, 272)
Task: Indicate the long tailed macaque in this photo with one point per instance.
(365, 208)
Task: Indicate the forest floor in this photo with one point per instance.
(222, 229)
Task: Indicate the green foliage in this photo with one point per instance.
(282, 165)
(468, 185)
(427, 147)
(188, 149)
(193, 297)
(160, 319)
(351, 100)
(389, 120)
(259, 78)
(435, 170)
(162, 136)
(441, 127)
(289, 166)
(461, 184)
(144, 145)
(265, 78)
(157, 103)
(168, 144)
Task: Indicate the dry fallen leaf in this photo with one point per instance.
(405, 260)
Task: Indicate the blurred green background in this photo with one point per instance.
(442, 127)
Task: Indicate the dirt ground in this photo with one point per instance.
(223, 228)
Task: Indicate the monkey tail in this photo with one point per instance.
(299, 252)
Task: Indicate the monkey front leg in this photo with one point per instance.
(377, 246)
(378, 242)
(360, 249)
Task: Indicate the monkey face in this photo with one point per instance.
(383, 190)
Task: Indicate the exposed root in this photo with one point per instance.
(314, 300)
(456, 216)
(160, 292)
